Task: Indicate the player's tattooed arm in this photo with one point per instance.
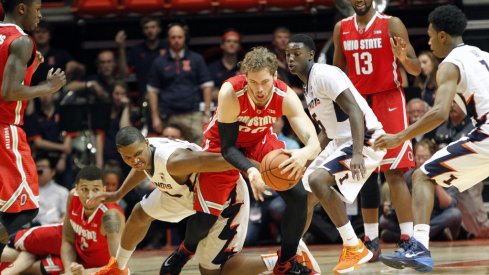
(112, 227)
(68, 252)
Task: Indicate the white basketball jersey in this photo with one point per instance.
(325, 84)
(164, 148)
(473, 65)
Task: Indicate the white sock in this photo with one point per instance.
(371, 230)
(348, 235)
(122, 257)
(406, 228)
(422, 234)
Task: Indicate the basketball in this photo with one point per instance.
(271, 173)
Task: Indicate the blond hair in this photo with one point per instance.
(257, 59)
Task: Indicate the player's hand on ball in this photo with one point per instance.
(295, 164)
(257, 184)
(357, 167)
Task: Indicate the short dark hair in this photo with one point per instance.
(52, 161)
(305, 39)
(9, 5)
(128, 135)
(448, 18)
(147, 19)
(89, 173)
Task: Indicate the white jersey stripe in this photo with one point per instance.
(18, 108)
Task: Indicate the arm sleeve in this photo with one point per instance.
(229, 134)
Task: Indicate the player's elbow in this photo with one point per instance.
(8, 94)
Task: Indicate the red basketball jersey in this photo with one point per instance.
(254, 122)
(91, 246)
(13, 111)
(372, 67)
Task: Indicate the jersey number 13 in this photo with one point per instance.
(363, 63)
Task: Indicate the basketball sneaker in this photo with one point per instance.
(292, 266)
(352, 257)
(374, 247)
(112, 268)
(174, 263)
(413, 255)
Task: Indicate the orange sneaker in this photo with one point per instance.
(112, 268)
(352, 257)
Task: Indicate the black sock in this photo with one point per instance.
(294, 220)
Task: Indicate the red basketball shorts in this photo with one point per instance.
(18, 174)
(390, 109)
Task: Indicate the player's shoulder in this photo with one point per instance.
(280, 85)
(347, 19)
(238, 82)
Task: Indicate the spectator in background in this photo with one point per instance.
(457, 126)
(47, 138)
(416, 108)
(281, 37)
(53, 57)
(119, 118)
(52, 197)
(446, 218)
(112, 177)
(139, 59)
(101, 84)
(227, 66)
(174, 131)
(426, 81)
(178, 82)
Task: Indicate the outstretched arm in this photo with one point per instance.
(132, 180)
(20, 53)
(447, 78)
(402, 48)
(227, 116)
(183, 162)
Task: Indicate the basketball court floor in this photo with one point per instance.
(461, 257)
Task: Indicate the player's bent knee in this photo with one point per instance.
(321, 181)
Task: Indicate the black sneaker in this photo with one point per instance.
(291, 266)
(174, 263)
(374, 247)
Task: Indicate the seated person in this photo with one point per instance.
(87, 239)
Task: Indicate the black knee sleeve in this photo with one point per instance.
(198, 227)
(370, 193)
(294, 220)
